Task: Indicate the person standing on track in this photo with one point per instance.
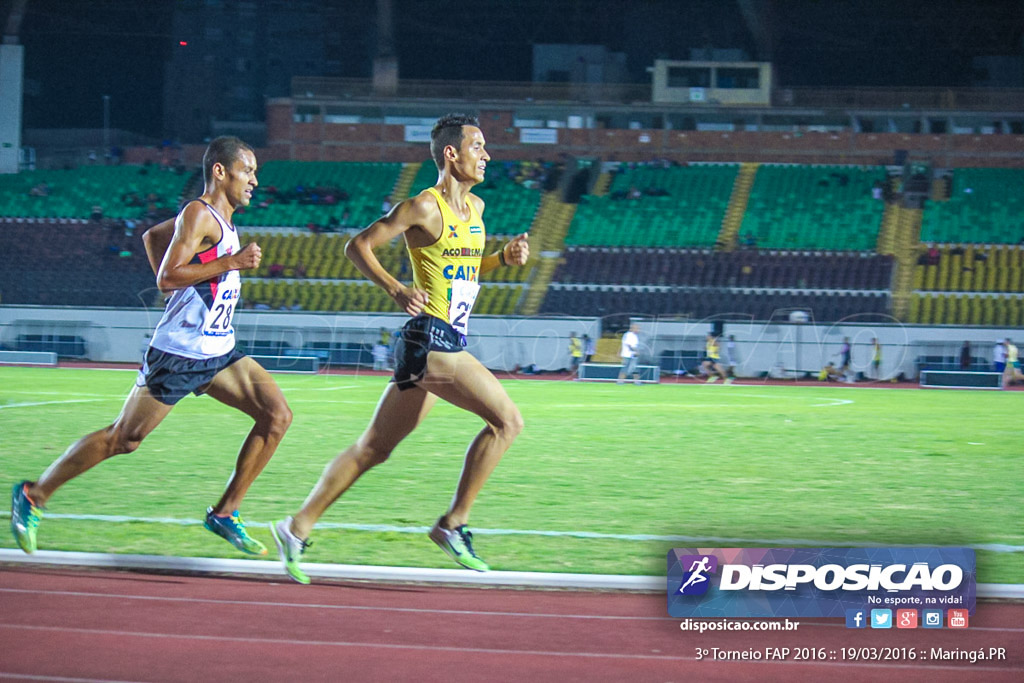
(192, 351)
(444, 233)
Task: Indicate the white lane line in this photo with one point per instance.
(66, 679)
(411, 610)
(365, 608)
(668, 538)
(473, 650)
(30, 404)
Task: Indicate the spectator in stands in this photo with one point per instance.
(380, 355)
(332, 224)
(876, 190)
(730, 356)
(846, 358)
(275, 270)
(299, 270)
(589, 348)
(575, 354)
(999, 356)
(96, 213)
(830, 373)
(965, 356)
(876, 358)
(385, 206)
(629, 352)
(1011, 373)
(346, 218)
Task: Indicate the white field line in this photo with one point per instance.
(670, 538)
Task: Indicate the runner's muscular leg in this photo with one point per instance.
(139, 416)
(397, 414)
(463, 381)
(245, 385)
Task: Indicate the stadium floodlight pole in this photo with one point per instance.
(106, 123)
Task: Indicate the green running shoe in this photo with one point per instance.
(458, 543)
(232, 529)
(24, 518)
(290, 548)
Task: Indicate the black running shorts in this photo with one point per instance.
(170, 377)
(419, 336)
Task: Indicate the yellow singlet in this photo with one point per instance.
(711, 349)
(454, 256)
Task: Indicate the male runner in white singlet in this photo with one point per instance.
(192, 351)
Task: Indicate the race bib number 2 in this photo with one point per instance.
(218, 318)
(463, 297)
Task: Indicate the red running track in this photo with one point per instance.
(83, 625)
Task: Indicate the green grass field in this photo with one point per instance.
(759, 465)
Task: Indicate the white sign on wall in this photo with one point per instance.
(417, 133)
(538, 136)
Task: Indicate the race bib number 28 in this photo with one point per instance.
(218, 318)
(463, 297)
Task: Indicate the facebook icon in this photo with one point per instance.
(856, 618)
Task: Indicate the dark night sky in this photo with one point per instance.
(78, 50)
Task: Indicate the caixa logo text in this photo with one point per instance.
(830, 577)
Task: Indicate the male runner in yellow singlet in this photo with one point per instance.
(445, 236)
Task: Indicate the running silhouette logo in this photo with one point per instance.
(818, 582)
(697, 578)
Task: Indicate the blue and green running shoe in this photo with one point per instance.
(458, 543)
(232, 529)
(24, 517)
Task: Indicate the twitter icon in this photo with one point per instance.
(881, 618)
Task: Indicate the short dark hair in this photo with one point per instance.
(223, 150)
(448, 131)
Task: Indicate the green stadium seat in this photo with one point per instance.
(985, 207)
(690, 216)
(814, 207)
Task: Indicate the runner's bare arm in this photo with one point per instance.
(420, 217)
(195, 230)
(157, 239)
(516, 253)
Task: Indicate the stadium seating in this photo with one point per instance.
(72, 193)
(509, 204)
(690, 215)
(366, 184)
(705, 268)
(323, 256)
(708, 302)
(977, 309)
(350, 296)
(814, 207)
(985, 206)
(971, 268)
(74, 264)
